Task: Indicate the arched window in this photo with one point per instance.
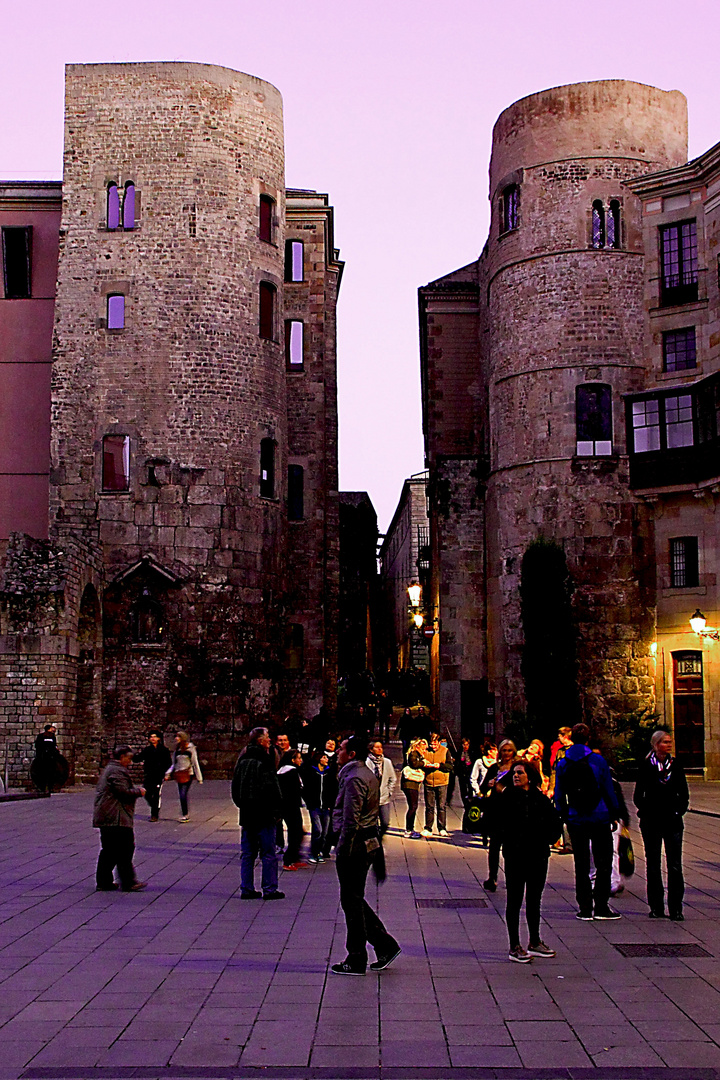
(267, 311)
(613, 224)
(294, 344)
(148, 628)
(115, 311)
(593, 420)
(510, 208)
(113, 207)
(267, 205)
(598, 224)
(128, 207)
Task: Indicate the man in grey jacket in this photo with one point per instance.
(114, 816)
(355, 824)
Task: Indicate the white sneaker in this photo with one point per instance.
(444, 832)
(426, 832)
(407, 834)
(519, 955)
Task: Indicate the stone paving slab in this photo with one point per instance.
(186, 980)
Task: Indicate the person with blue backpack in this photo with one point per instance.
(585, 799)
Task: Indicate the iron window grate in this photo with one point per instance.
(667, 949)
(452, 902)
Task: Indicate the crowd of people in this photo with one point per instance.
(528, 804)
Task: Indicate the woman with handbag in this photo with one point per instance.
(184, 769)
(411, 778)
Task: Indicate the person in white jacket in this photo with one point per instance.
(184, 769)
(385, 771)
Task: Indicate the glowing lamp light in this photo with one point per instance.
(418, 619)
(653, 648)
(414, 592)
(698, 622)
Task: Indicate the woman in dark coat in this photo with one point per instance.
(527, 824)
(661, 797)
(494, 783)
(291, 790)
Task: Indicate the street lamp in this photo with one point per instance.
(414, 593)
(699, 626)
(418, 619)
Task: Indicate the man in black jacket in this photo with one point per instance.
(156, 760)
(113, 815)
(355, 823)
(256, 793)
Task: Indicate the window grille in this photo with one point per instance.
(684, 562)
(613, 224)
(678, 256)
(510, 208)
(646, 425)
(679, 349)
(679, 421)
(598, 224)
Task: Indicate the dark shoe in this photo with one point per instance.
(137, 886)
(657, 915)
(251, 894)
(607, 915)
(584, 916)
(277, 895)
(154, 818)
(677, 916)
(347, 969)
(385, 959)
(490, 885)
(107, 888)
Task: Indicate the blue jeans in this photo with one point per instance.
(183, 793)
(254, 842)
(320, 824)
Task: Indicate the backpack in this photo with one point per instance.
(581, 787)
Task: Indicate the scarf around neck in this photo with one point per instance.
(664, 767)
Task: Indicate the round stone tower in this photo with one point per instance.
(562, 275)
(169, 440)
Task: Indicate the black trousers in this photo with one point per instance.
(583, 837)
(413, 797)
(493, 858)
(117, 847)
(293, 820)
(524, 877)
(655, 834)
(153, 789)
(362, 924)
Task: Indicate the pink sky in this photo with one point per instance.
(389, 107)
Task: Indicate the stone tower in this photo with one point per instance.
(537, 450)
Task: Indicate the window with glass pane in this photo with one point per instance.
(593, 420)
(267, 310)
(128, 207)
(17, 267)
(296, 493)
(266, 218)
(678, 421)
(598, 224)
(294, 344)
(294, 260)
(116, 463)
(646, 425)
(678, 251)
(113, 207)
(115, 312)
(613, 224)
(684, 562)
(510, 208)
(267, 468)
(679, 349)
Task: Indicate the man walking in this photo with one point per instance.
(256, 793)
(355, 823)
(156, 760)
(114, 816)
(585, 799)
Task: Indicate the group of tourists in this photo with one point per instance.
(347, 789)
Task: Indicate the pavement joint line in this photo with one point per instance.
(379, 1072)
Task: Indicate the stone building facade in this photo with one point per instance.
(404, 561)
(528, 357)
(190, 573)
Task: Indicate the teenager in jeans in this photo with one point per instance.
(527, 824)
(438, 766)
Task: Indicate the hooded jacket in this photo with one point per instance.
(115, 798)
(255, 789)
(607, 809)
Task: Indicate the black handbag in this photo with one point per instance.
(473, 816)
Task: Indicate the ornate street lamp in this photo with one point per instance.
(699, 626)
(414, 593)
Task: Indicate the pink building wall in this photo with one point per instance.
(26, 327)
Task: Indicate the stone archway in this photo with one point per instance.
(90, 752)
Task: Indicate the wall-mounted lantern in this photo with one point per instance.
(699, 626)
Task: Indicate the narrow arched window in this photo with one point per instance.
(113, 207)
(267, 311)
(613, 224)
(510, 208)
(267, 468)
(128, 207)
(267, 205)
(593, 420)
(598, 224)
(116, 463)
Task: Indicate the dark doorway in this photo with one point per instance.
(688, 709)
